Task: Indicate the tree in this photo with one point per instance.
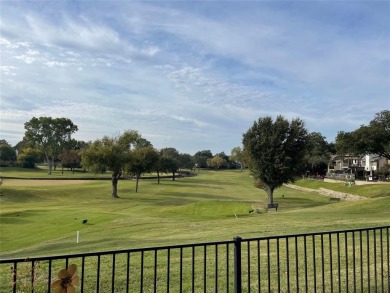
(181, 160)
(21, 145)
(7, 153)
(384, 172)
(168, 165)
(28, 157)
(201, 157)
(70, 159)
(237, 156)
(382, 120)
(70, 156)
(216, 162)
(112, 154)
(344, 143)
(170, 153)
(169, 161)
(226, 158)
(158, 168)
(276, 150)
(186, 161)
(318, 154)
(143, 160)
(379, 135)
(49, 135)
(373, 138)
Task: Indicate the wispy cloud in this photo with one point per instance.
(193, 76)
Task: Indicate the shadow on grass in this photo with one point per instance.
(20, 217)
(14, 196)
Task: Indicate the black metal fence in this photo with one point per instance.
(338, 261)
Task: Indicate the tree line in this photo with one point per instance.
(125, 155)
(50, 140)
(274, 150)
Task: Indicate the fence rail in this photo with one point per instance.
(354, 260)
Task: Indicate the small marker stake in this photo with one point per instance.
(77, 236)
(235, 215)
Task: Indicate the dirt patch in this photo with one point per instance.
(357, 182)
(22, 182)
(329, 192)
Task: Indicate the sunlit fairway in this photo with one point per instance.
(42, 217)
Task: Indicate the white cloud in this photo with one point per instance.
(28, 59)
(13, 45)
(192, 76)
(78, 34)
(151, 51)
(190, 120)
(8, 70)
(56, 63)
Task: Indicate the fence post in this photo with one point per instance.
(237, 265)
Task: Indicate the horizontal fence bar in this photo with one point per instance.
(335, 261)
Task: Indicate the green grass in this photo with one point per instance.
(41, 217)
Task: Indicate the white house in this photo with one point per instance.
(368, 164)
(373, 163)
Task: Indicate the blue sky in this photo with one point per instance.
(193, 75)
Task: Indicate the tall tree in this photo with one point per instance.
(49, 135)
(276, 150)
(373, 138)
(143, 160)
(345, 143)
(379, 134)
(112, 154)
